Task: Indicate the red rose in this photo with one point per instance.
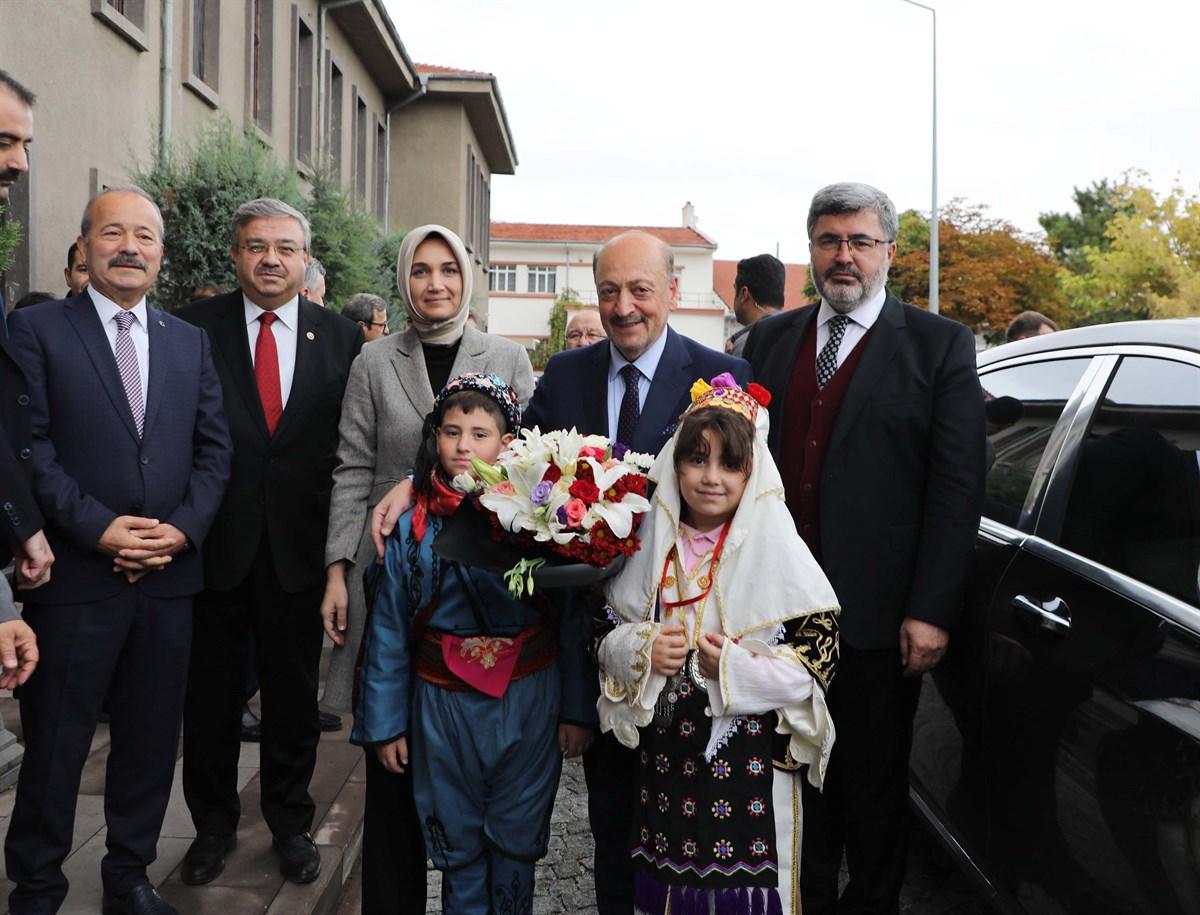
(586, 491)
(634, 483)
(552, 474)
(591, 451)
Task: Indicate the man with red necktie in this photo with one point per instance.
(283, 363)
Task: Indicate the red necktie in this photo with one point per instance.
(266, 371)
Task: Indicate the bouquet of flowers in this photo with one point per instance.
(576, 496)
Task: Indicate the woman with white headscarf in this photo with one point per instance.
(391, 388)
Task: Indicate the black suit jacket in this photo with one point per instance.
(90, 464)
(280, 484)
(902, 481)
(20, 518)
(573, 391)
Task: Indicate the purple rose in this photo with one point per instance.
(724, 380)
(619, 450)
(541, 493)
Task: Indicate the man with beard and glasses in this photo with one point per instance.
(878, 431)
(283, 362)
(131, 454)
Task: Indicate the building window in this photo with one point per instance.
(333, 107)
(471, 186)
(360, 148)
(303, 82)
(542, 279)
(478, 222)
(125, 17)
(380, 170)
(205, 38)
(503, 278)
(260, 44)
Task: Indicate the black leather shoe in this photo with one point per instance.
(143, 899)
(299, 860)
(205, 858)
(251, 726)
(329, 722)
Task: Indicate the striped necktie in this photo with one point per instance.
(127, 365)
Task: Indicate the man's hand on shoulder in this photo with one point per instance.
(921, 646)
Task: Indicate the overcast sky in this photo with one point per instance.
(621, 111)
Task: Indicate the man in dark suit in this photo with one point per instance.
(633, 388)
(283, 363)
(878, 430)
(21, 521)
(131, 454)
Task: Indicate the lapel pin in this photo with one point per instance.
(311, 335)
(162, 323)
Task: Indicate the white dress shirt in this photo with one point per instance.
(107, 309)
(862, 319)
(286, 331)
(647, 365)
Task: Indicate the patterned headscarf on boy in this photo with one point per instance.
(489, 384)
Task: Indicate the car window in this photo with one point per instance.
(1024, 404)
(1135, 500)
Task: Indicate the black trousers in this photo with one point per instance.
(134, 649)
(864, 807)
(287, 638)
(393, 849)
(609, 771)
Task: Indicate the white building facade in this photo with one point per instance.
(534, 263)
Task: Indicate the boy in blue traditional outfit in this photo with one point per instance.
(464, 682)
(722, 641)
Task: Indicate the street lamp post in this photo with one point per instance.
(933, 214)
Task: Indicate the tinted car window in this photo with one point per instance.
(1135, 500)
(1025, 403)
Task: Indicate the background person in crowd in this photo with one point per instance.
(283, 363)
(314, 282)
(632, 390)
(390, 392)
(584, 328)
(877, 427)
(757, 292)
(33, 298)
(111, 377)
(1028, 324)
(21, 534)
(369, 312)
(200, 293)
(75, 274)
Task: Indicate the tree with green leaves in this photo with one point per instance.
(556, 339)
(198, 187)
(384, 253)
(1070, 234)
(343, 239)
(10, 237)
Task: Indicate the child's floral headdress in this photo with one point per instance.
(724, 391)
(491, 385)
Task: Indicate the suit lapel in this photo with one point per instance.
(779, 364)
(881, 347)
(408, 361)
(309, 340)
(231, 345)
(595, 380)
(662, 407)
(82, 315)
(159, 362)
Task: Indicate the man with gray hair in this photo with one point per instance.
(878, 430)
(369, 312)
(314, 282)
(283, 363)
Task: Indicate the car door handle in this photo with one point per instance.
(1052, 614)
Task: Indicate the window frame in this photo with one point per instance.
(510, 273)
(125, 17)
(537, 272)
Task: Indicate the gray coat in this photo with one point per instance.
(388, 396)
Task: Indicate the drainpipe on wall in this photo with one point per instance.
(165, 77)
(419, 92)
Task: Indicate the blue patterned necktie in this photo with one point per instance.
(631, 407)
(127, 365)
(827, 360)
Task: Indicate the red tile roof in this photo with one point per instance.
(449, 71)
(530, 231)
(725, 272)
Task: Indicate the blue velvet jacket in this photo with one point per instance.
(407, 581)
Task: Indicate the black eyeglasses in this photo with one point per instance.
(382, 324)
(857, 243)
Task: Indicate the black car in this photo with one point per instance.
(1057, 745)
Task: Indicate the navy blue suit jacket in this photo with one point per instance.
(89, 466)
(573, 391)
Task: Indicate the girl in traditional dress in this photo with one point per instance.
(723, 641)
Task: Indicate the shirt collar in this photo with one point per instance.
(702, 539)
(286, 313)
(106, 308)
(864, 315)
(647, 362)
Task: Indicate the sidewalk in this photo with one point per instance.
(251, 882)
